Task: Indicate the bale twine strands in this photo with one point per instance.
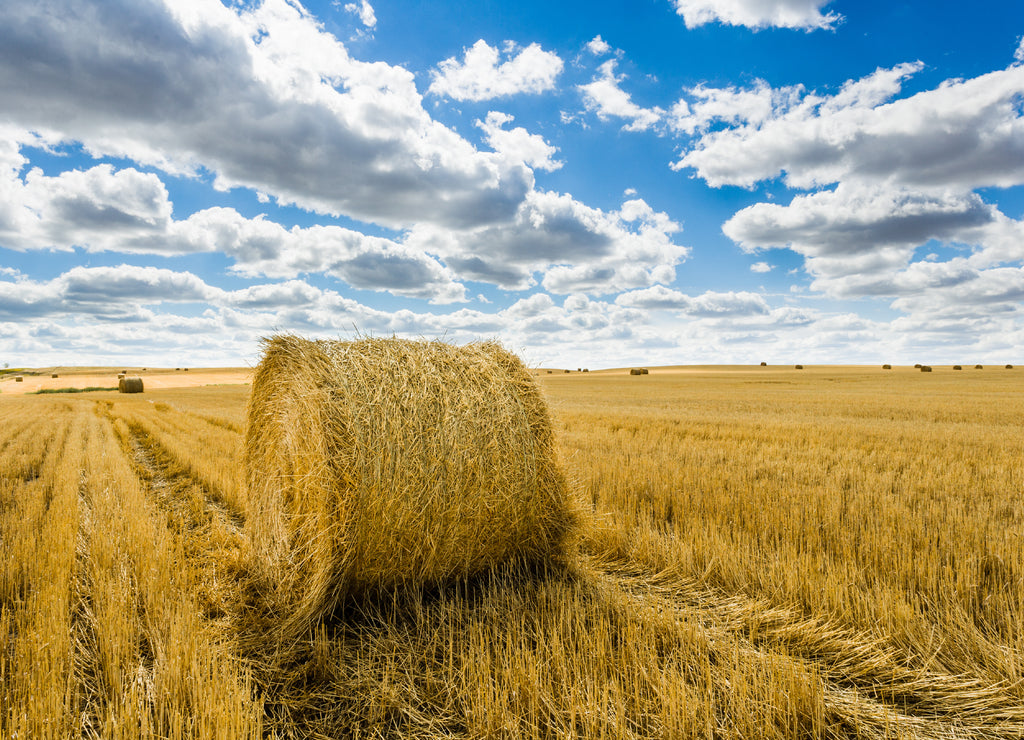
(387, 463)
(129, 385)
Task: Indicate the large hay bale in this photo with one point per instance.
(129, 385)
(386, 463)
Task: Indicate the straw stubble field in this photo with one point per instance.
(833, 552)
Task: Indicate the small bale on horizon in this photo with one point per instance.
(1009, 367)
(979, 367)
(636, 371)
(129, 385)
(764, 364)
(54, 375)
(887, 367)
(957, 367)
(798, 367)
(926, 368)
(917, 366)
(18, 379)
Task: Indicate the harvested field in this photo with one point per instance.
(766, 554)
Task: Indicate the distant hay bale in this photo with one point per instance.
(129, 385)
(54, 375)
(185, 369)
(579, 370)
(586, 370)
(764, 364)
(887, 367)
(177, 368)
(567, 371)
(18, 379)
(636, 371)
(926, 368)
(978, 367)
(644, 371)
(918, 365)
(957, 367)
(799, 367)
(1009, 367)
(121, 376)
(387, 463)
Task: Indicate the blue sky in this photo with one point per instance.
(594, 184)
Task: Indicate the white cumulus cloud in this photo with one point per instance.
(605, 97)
(364, 10)
(757, 14)
(481, 75)
(518, 144)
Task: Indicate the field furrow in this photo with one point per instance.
(864, 682)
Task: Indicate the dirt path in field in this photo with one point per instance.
(867, 686)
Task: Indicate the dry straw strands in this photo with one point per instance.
(129, 385)
(387, 463)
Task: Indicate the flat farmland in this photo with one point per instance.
(765, 553)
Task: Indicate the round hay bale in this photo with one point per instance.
(129, 385)
(644, 371)
(887, 367)
(799, 367)
(978, 367)
(586, 370)
(957, 367)
(926, 368)
(387, 463)
(636, 371)
(917, 366)
(567, 371)
(54, 375)
(18, 379)
(1009, 367)
(764, 364)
